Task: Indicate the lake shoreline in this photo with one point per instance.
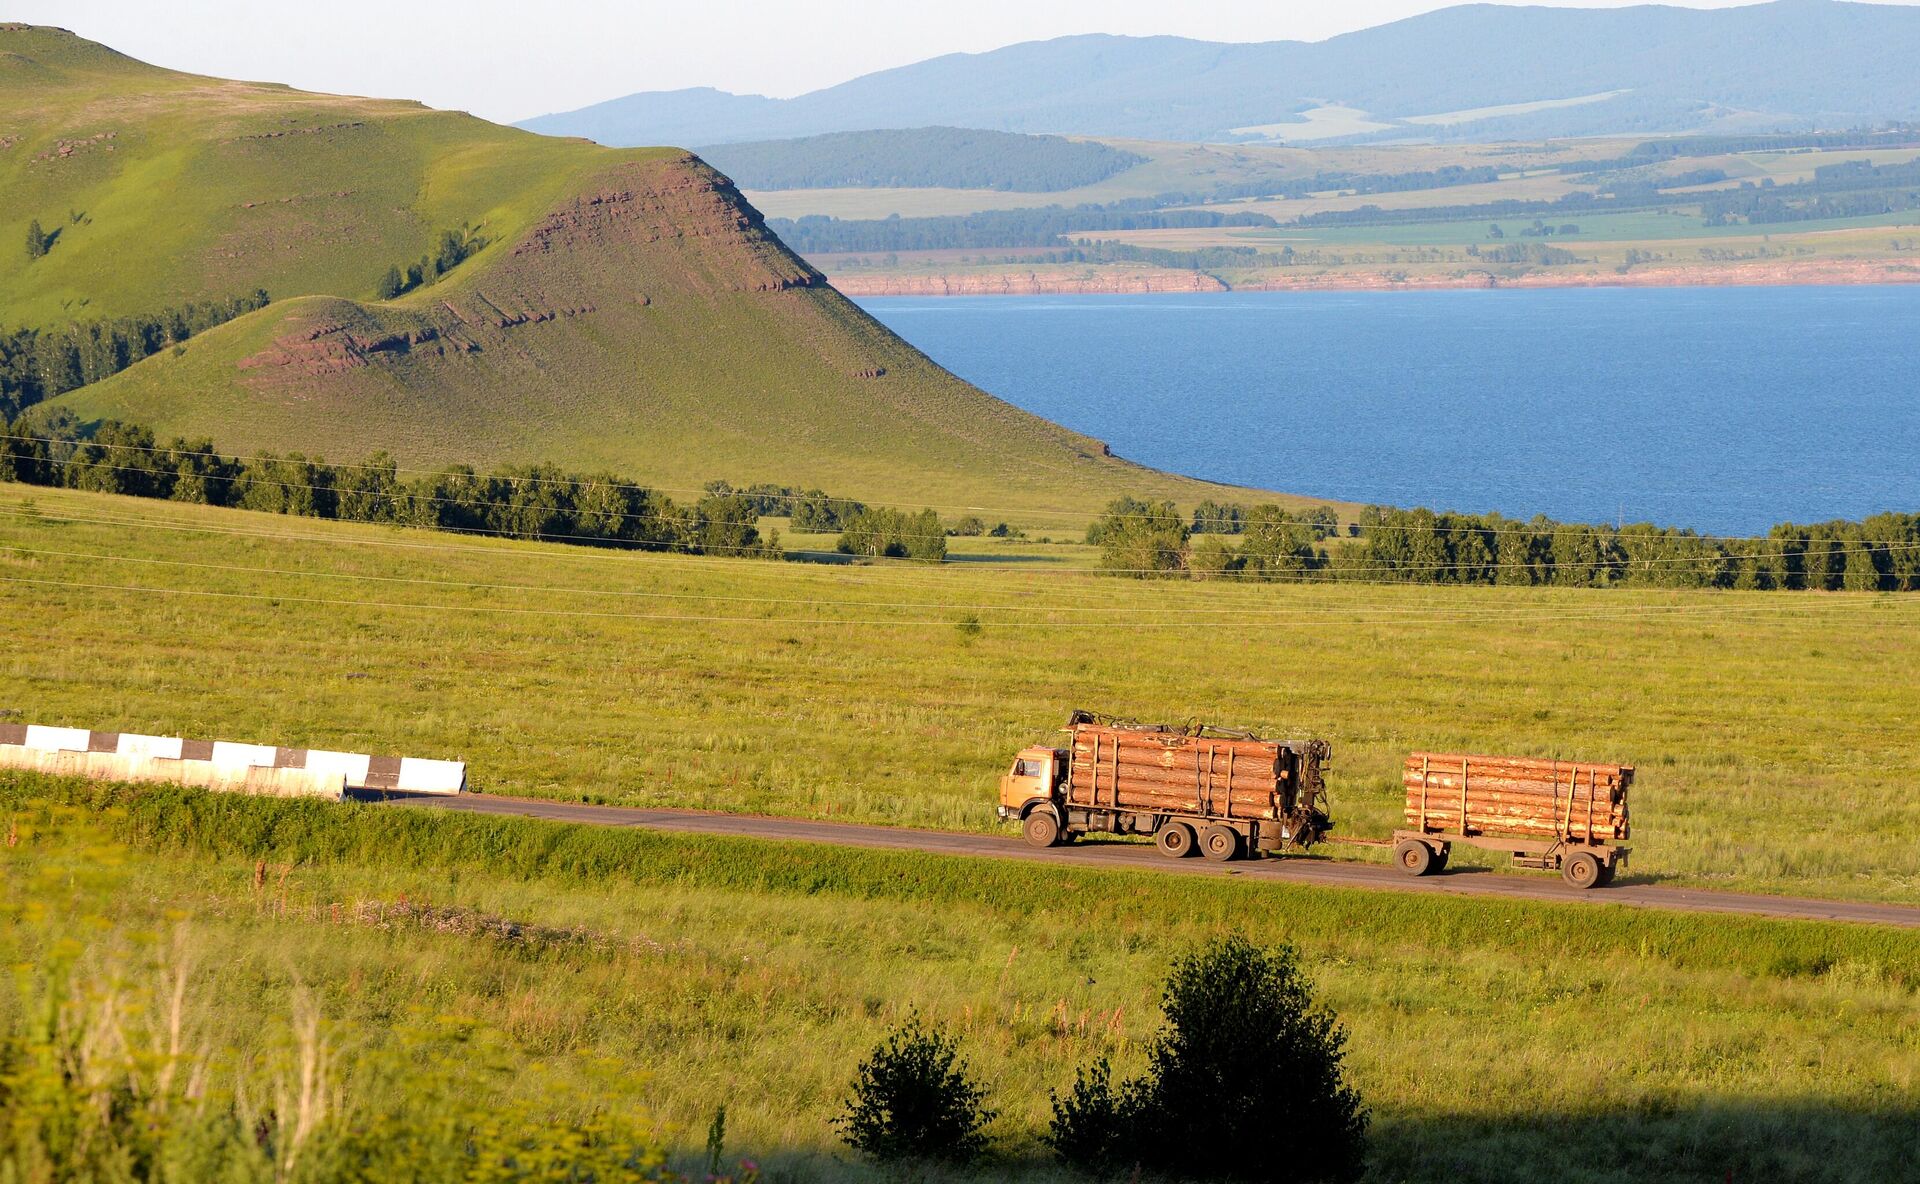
(1161, 281)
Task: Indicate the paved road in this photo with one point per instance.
(1142, 856)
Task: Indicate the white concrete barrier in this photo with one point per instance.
(226, 764)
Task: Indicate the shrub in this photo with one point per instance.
(1244, 1052)
(912, 1099)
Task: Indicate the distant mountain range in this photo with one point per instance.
(1477, 71)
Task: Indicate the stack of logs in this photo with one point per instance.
(1518, 797)
(1138, 769)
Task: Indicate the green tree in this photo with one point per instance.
(1244, 1051)
(1140, 539)
(1862, 571)
(390, 285)
(912, 1098)
(37, 240)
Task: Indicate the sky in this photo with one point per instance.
(512, 59)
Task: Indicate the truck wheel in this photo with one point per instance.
(1220, 843)
(1606, 874)
(1413, 857)
(1440, 860)
(1581, 870)
(1041, 829)
(1175, 840)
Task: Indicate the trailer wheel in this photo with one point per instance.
(1606, 873)
(1175, 840)
(1440, 860)
(1220, 843)
(1581, 870)
(1413, 857)
(1041, 829)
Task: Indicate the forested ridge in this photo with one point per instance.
(921, 158)
(38, 364)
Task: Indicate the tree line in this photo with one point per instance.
(1898, 135)
(1880, 553)
(1850, 189)
(38, 364)
(921, 158)
(453, 248)
(541, 502)
(818, 234)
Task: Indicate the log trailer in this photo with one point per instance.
(1194, 788)
(1227, 794)
(1548, 815)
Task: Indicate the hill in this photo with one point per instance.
(1471, 72)
(609, 309)
(921, 158)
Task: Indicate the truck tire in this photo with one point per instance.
(1606, 873)
(1581, 869)
(1440, 861)
(1041, 829)
(1220, 843)
(1413, 857)
(1175, 840)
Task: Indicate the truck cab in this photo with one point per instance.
(1035, 773)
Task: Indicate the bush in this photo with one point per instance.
(1244, 1052)
(912, 1099)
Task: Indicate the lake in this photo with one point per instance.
(1721, 409)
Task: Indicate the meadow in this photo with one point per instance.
(1772, 732)
(558, 967)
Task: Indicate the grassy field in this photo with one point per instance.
(680, 975)
(1772, 731)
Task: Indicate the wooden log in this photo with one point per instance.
(1248, 803)
(1542, 801)
(1220, 780)
(1165, 759)
(1451, 762)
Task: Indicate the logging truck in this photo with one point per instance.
(1193, 789)
(1548, 815)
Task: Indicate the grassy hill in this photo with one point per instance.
(627, 311)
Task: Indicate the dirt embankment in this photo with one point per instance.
(1133, 281)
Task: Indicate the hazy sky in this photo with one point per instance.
(510, 60)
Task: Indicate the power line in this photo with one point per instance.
(1345, 573)
(1296, 613)
(1627, 614)
(1077, 515)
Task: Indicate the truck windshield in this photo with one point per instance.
(1026, 768)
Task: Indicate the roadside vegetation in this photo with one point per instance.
(1772, 732)
(460, 980)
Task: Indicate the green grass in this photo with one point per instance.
(1772, 731)
(662, 338)
(1489, 1038)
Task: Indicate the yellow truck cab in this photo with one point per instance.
(1031, 782)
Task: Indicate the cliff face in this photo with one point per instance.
(1104, 281)
(641, 232)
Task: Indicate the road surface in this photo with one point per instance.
(1142, 856)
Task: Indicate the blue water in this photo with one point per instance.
(1722, 409)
